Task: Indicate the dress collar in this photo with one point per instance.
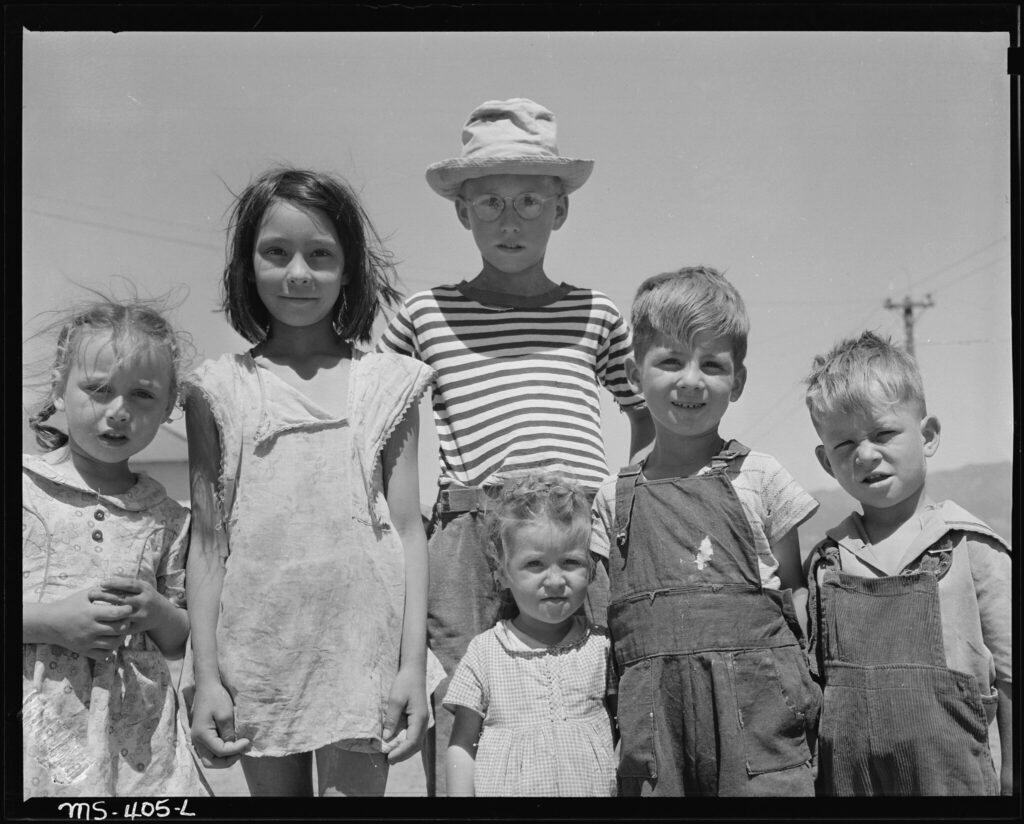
(52, 466)
(507, 637)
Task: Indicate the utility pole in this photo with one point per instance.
(908, 306)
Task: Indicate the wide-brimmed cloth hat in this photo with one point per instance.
(508, 137)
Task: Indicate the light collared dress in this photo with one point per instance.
(100, 728)
(546, 729)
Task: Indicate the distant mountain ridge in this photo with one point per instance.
(984, 490)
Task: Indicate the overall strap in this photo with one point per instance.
(730, 451)
(625, 491)
(825, 553)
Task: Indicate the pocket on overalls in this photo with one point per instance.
(777, 704)
(959, 698)
(636, 722)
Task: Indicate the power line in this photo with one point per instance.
(122, 230)
(949, 266)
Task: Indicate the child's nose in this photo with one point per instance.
(690, 376)
(298, 272)
(555, 578)
(117, 411)
(865, 453)
(509, 219)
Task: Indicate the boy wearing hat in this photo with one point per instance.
(518, 359)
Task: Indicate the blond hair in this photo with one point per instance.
(860, 373)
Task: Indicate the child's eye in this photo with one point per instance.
(885, 435)
(145, 394)
(530, 200)
(322, 253)
(97, 389)
(273, 251)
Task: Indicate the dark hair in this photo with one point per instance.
(686, 303)
(369, 265)
(135, 326)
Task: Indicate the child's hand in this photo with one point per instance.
(89, 626)
(213, 727)
(149, 607)
(407, 710)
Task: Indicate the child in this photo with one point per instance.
(715, 697)
(103, 554)
(910, 601)
(529, 694)
(518, 359)
(307, 576)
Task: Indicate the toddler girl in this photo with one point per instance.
(529, 695)
(307, 571)
(103, 555)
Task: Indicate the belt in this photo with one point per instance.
(476, 498)
(466, 498)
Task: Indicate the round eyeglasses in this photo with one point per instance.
(528, 205)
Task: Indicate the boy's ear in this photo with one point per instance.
(930, 432)
(632, 370)
(462, 210)
(561, 211)
(739, 381)
(819, 453)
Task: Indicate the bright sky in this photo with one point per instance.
(826, 173)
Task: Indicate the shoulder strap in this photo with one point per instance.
(625, 491)
(827, 550)
(730, 451)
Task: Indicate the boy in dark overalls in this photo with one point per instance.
(910, 602)
(714, 693)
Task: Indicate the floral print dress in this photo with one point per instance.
(100, 728)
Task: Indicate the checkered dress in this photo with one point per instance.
(546, 730)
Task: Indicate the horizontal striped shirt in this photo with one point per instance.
(516, 386)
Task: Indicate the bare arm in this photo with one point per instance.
(401, 485)
(460, 757)
(791, 574)
(213, 714)
(641, 431)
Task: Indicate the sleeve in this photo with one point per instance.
(992, 572)
(602, 521)
(468, 687)
(170, 572)
(786, 504)
(400, 335)
(614, 349)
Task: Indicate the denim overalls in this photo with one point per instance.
(895, 720)
(715, 697)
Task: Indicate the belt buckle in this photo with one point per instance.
(444, 498)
